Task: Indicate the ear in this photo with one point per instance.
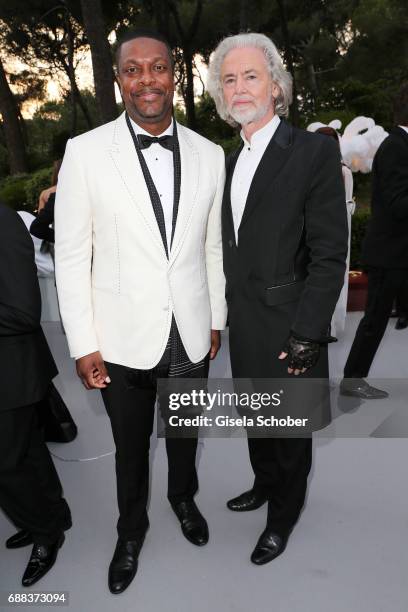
(276, 90)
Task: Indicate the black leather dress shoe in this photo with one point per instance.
(19, 539)
(250, 500)
(358, 387)
(123, 567)
(193, 524)
(402, 323)
(41, 561)
(269, 546)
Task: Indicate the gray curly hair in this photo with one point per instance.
(279, 75)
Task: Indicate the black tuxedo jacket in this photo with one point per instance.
(386, 241)
(288, 268)
(26, 363)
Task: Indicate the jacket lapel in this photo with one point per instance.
(124, 158)
(226, 202)
(275, 157)
(402, 133)
(189, 186)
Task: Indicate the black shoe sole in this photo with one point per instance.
(268, 559)
(21, 544)
(360, 396)
(246, 509)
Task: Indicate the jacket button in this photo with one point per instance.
(231, 243)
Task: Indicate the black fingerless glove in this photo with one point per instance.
(301, 353)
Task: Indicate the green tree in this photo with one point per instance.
(47, 32)
(12, 127)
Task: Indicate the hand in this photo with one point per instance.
(303, 354)
(44, 195)
(92, 371)
(215, 343)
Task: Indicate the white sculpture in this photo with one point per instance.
(359, 142)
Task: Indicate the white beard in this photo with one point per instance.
(243, 117)
(251, 114)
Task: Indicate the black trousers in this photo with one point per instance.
(30, 489)
(281, 467)
(401, 301)
(129, 401)
(383, 287)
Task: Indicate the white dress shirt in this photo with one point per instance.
(246, 166)
(160, 163)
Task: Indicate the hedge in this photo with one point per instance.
(359, 222)
(21, 191)
(37, 182)
(12, 191)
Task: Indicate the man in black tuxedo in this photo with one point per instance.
(285, 245)
(30, 490)
(385, 251)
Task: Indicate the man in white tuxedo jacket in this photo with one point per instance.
(140, 278)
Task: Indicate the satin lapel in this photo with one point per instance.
(226, 200)
(124, 158)
(189, 186)
(275, 157)
(402, 133)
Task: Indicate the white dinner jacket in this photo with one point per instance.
(117, 290)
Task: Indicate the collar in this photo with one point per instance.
(261, 137)
(404, 127)
(140, 130)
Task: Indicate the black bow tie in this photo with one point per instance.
(166, 141)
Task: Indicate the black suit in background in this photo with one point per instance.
(30, 490)
(385, 249)
(40, 227)
(285, 274)
(58, 423)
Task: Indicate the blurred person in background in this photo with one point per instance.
(59, 426)
(30, 490)
(401, 308)
(384, 252)
(340, 312)
(43, 225)
(43, 257)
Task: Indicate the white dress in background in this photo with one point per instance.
(339, 315)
